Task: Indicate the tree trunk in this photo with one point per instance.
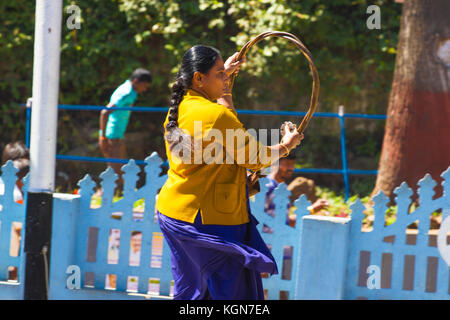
(417, 136)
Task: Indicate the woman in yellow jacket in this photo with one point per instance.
(203, 208)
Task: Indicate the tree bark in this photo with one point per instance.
(417, 135)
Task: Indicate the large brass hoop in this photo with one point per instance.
(316, 83)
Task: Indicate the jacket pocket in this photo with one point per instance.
(226, 197)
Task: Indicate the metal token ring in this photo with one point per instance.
(315, 87)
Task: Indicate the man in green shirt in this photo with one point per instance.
(113, 121)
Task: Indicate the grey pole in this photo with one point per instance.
(44, 116)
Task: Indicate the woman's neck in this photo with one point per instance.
(201, 92)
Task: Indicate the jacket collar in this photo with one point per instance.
(193, 93)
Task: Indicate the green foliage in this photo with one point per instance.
(16, 66)
(338, 207)
(362, 186)
(117, 36)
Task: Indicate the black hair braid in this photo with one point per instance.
(178, 92)
(173, 133)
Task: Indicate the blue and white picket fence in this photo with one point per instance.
(430, 279)
(331, 258)
(11, 212)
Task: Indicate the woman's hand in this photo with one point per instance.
(283, 126)
(232, 65)
(291, 137)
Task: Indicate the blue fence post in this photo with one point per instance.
(64, 234)
(28, 121)
(323, 262)
(344, 152)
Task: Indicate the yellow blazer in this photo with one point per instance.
(218, 190)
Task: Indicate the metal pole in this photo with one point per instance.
(44, 116)
(28, 121)
(344, 152)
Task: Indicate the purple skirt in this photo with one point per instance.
(217, 261)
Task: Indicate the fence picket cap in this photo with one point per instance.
(339, 220)
(9, 179)
(86, 191)
(301, 207)
(281, 194)
(357, 215)
(108, 178)
(426, 186)
(130, 177)
(153, 167)
(403, 199)
(380, 207)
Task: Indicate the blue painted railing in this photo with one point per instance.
(331, 258)
(344, 171)
(394, 251)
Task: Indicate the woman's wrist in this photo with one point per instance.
(285, 150)
(288, 144)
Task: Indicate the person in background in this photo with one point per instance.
(282, 172)
(19, 154)
(114, 122)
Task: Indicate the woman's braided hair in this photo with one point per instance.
(201, 59)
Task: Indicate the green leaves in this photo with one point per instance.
(116, 34)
